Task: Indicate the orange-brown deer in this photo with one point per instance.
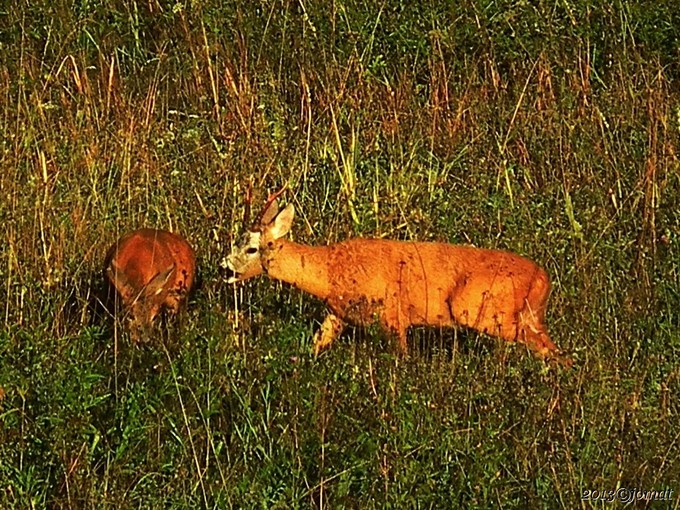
(151, 270)
(401, 284)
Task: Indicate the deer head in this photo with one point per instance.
(249, 258)
(141, 305)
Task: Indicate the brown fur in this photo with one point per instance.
(403, 284)
(151, 270)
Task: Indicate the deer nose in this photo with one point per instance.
(227, 269)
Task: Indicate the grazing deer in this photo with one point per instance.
(151, 270)
(401, 284)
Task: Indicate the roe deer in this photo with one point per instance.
(399, 284)
(151, 270)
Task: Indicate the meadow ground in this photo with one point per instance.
(547, 128)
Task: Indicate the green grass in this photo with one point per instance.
(549, 129)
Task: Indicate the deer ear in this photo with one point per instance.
(270, 213)
(156, 285)
(283, 222)
(120, 281)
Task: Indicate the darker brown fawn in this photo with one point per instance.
(151, 270)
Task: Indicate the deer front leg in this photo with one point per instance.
(330, 329)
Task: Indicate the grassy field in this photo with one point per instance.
(551, 129)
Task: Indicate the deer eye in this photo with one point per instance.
(251, 250)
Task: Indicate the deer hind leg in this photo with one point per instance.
(539, 341)
(531, 327)
(532, 330)
(536, 338)
(531, 321)
(330, 329)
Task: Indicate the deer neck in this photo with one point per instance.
(305, 267)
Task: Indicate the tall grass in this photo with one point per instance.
(550, 130)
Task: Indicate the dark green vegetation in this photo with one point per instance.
(548, 128)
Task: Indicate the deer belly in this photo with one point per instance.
(358, 310)
(429, 313)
